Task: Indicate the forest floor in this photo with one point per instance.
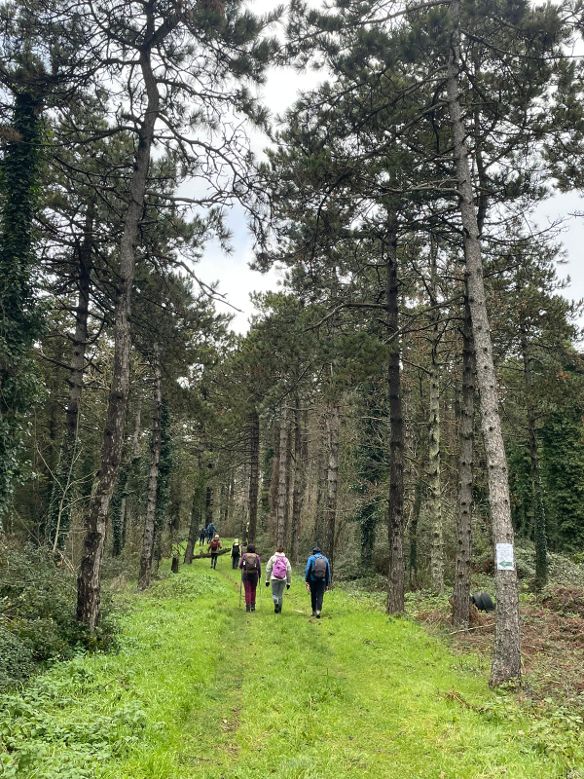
(199, 688)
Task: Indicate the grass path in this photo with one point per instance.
(202, 689)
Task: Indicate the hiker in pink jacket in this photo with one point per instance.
(279, 575)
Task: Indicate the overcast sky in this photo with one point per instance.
(237, 281)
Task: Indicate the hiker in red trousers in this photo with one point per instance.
(251, 571)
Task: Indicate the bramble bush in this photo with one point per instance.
(37, 614)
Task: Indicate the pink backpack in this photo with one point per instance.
(280, 567)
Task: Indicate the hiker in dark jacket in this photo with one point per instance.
(251, 570)
(317, 577)
(214, 548)
(211, 530)
(202, 536)
(235, 553)
(279, 575)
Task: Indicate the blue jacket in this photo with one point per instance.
(308, 573)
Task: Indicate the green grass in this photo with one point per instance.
(201, 689)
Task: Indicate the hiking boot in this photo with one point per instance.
(247, 608)
(318, 614)
(252, 607)
(276, 608)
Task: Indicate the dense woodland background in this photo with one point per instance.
(348, 415)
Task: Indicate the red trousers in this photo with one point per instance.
(250, 587)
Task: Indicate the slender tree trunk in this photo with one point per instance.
(540, 531)
(230, 496)
(396, 578)
(413, 556)
(208, 505)
(321, 483)
(332, 482)
(507, 654)
(299, 483)
(289, 483)
(461, 596)
(196, 518)
(147, 554)
(89, 579)
(254, 473)
(281, 509)
(434, 464)
(60, 505)
(273, 493)
(119, 506)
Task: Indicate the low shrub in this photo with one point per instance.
(37, 614)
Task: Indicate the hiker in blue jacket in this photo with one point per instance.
(317, 577)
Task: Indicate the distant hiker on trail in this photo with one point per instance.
(202, 536)
(211, 530)
(317, 577)
(279, 575)
(235, 553)
(251, 571)
(214, 548)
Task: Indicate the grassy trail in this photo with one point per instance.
(202, 689)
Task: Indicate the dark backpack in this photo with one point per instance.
(319, 568)
(235, 550)
(251, 564)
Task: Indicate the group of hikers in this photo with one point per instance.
(317, 576)
(317, 573)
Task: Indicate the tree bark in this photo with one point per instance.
(147, 553)
(540, 530)
(321, 479)
(273, 492)
(461, 595)
(333, 419)
(299, 484)
(396, 576)
(196, 519)
(434, 464)
(281, 508)
(60, 504)
(254, 474)
(119, 505)
(506, 656)
(89, 579)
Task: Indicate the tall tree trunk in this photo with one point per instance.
(196, 517)
(60, 505)
(119, 506)
(299, 483)
(461, 596)
(540, 531)
(208, 505)
(321, 483)
(254, 474)
(89, 579)
(413, 532)
(147, 554)
(281, 508)
(434, 464)
(507, 655)
(289, 483)
(273, 491)
(396, 577)
(332, 482)
(230, 496)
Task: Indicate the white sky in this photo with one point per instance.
(237, 281)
